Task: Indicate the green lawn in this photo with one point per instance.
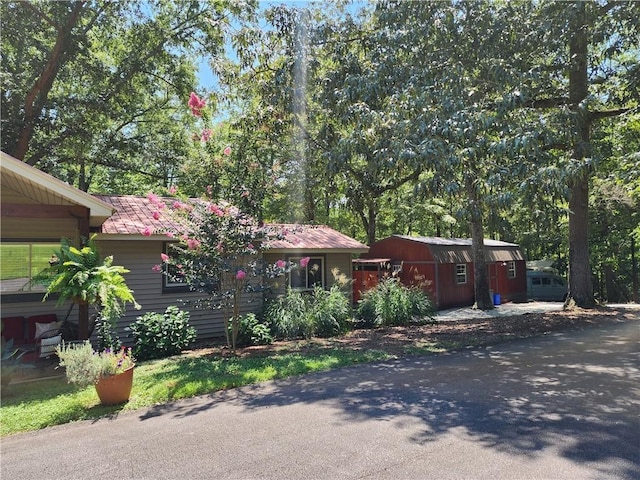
(39, 404)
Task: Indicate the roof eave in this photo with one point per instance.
(99, 210)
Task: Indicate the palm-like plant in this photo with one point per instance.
(80, 275)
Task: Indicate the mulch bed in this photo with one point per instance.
(469, 332)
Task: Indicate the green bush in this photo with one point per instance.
(160, 335)
(391, 303)
(287, 315)
(322, 313)
(252, 332)
(330, 311)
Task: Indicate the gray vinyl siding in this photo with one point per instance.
(140, 257)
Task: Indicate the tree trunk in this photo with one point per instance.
(36, 97)
(481, 281)
(580, 282)
(371, 222)
(83, 321)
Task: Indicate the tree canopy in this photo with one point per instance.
(512, 120)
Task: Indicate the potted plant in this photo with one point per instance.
(111, 371)
(10, 362)
(81, 276)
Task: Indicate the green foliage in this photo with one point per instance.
(297, 314)
(9, 360)
(330, 311)
(391, 303)
(160, 335)
(80, 276)
(287, 315)
(84, 366)
(252, 332)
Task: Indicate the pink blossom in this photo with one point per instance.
(164, 257)
(281, 264)
(156, 215)
(173, 190)
(250, 246)
(193, 244)
(171, 235)
(213, 208)
(153, 198)
(227, 151)
(177, 205)
(147, 232)
(196, 104)
(240, 275)
(156, 268)
(304, 262)
(245, 194)
(209, 190)
(205, 135)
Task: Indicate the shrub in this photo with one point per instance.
(391, 303)
(287, 315)
(330, 311)
(160, 335)
(297, 314)
(252, 332)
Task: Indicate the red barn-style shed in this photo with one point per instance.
(444, 267)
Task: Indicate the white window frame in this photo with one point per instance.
(461, 272)
(511, 269)
(169, 286)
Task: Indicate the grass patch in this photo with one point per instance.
(35, 405)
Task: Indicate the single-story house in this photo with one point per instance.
(444, 267)
(38, 210)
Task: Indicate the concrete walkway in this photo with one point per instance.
(503, 310)
(563, 406)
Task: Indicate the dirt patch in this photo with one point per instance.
(442, 335)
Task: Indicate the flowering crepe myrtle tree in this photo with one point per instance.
(217, 248)
(217, 252)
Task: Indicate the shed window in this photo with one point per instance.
(20, 262)
(511, 269)
(308, 277)
(461, 273)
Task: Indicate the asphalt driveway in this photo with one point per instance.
(562, 406)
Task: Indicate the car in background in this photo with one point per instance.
(546, 286)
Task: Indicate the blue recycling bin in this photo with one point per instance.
(496, 299)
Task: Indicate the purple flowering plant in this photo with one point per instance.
(84, 366)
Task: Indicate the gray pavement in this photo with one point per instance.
(566, 405)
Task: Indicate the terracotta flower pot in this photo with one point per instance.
(115, 389)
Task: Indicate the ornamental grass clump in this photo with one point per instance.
(391, 303)
(84, 366)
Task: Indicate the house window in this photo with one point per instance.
(511, 269)
(308, 277)
(20, 262)
(461, 273)
(172, 279)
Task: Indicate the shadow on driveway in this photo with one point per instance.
(577, 393)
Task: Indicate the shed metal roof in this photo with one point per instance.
(459, 250)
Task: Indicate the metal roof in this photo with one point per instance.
(459, 250)
(135, 213)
